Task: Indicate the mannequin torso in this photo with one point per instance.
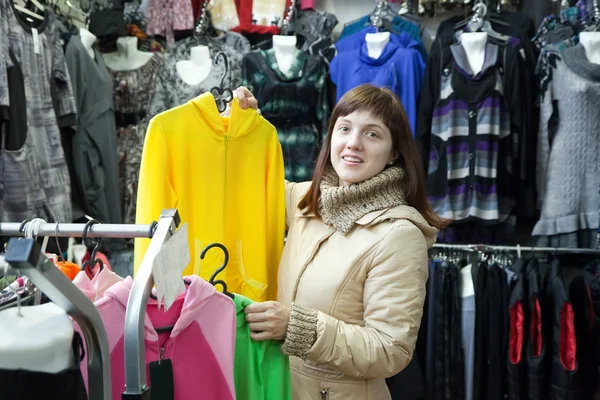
(127, 57)
(474, 45)
(285, 52)
(376, 42)
(88, 39)
(591, 43)
(197, 68)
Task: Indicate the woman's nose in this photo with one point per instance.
(354, 142)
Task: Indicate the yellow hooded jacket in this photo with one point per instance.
(225, 176)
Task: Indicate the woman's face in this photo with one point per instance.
(361, 146)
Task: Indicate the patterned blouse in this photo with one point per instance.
(131, 96)
(171, 91)
(167, 16)
(295, 104)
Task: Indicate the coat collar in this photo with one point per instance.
(390, 214)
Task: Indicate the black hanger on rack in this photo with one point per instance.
(222, 94)
(89, 265)
(220, 269)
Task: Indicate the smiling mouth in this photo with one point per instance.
(352, 160)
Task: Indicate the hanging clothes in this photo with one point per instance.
(200, 346)
(225, 176)
(34, 385)
(262, 371)
(35, 176)
(398, 25)
(568, 145)
(95, 143)
(491, 333)
(468, 125)
(519, 29)
(172, 91)
(518, 320)
(565, 373)
(354, 41)
(260, 16)
(538, 331)
(400, 67)
(301, 124)
(167, 16)
(223, 13)
(131, 96)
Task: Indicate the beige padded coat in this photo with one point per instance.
(369, 288)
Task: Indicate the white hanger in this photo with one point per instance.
(25, 11)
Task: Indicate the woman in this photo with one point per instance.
(353, 272)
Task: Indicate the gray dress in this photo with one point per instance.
(568, 153)
(35, 177)
(95, 144)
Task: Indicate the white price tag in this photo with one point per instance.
(36, 41)
(168, 266)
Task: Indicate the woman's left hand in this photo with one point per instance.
(267, 320)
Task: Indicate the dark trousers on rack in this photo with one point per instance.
(491, 334)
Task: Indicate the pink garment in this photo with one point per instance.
(166, 16)
(94, 288)
(307, 4)
(201, 345)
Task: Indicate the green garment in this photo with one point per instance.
(261, 370)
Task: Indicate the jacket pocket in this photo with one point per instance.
(251, 287)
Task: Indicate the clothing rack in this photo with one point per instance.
(57, 229)
(518, 249)
(25, 257)
(135, 363)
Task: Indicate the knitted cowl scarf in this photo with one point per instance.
(341, 206)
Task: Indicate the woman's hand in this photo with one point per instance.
(246, 98)
(267, 320)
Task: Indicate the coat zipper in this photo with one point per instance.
(162, 355)
(323, 394)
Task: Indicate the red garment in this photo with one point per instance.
(244, 8)
(307, 4)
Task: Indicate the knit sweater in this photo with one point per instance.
(340, 207)
(568, 175)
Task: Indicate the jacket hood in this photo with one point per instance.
(402, 212)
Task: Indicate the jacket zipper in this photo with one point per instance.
(323, 394)
(162, 355)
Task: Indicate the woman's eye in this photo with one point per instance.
(372, 134)
(344, 128)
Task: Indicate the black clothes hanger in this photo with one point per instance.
(88, 266)
(220, 269)
(222, 94)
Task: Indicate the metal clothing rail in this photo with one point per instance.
(117, 231)
(135, 363)
(25, 257)
(485, 247)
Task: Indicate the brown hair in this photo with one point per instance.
(384, 104)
